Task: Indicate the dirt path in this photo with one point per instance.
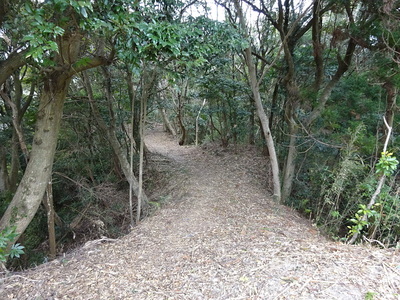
(219, 237)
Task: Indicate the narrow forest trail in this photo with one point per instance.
(218, 237)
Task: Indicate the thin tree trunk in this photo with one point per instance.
(141, 157)
(48, 198)
(4, 183)
(260, 110)
(182, 141)
(294, 94)
(181, 98)
(252, 138)
(17, 111)
(112, 139)
(290, 164)
(15, 163)
(274, 105)
(391, 95)
(131, 151)
(132, 96)
(170, 129)
(57, 219)
(197, 122)
(224, 125)
(16, 124)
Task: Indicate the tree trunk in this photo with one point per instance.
(32, 187)
(274, 105)
(260, 110)
(132, 96)
(4, 184)
(48, 199)
(168, 126)
(13, 99)
(112, 139)
(265, 127)
(197, 123)
(143, 112)
(15, 164)
(290, 164)
(16, 123)
(181, 98)
(252, 137)
(391, 95)
(14, 61)
(294, 95)
(182, 140)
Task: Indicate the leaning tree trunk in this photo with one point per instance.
(113, 140)
(290, 164)
(255, 88)
(168, 125)
(32, 187)
(391, 95)
(265, 127)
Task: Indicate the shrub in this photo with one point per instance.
(6, 236)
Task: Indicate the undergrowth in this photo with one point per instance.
(336, 198)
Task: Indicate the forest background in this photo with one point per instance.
(311, 84)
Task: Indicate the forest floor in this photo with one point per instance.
(217, 236)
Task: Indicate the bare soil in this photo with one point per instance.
(218, 236)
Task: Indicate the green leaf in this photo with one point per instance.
(16, 250)
(83, 12)
(58, 30)
(28, 8)
(38, 18)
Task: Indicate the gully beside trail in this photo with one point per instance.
(219, 236)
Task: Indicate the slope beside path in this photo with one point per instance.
(219, 236)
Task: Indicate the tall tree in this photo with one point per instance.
(255, 87)
(64, 59)
(293, 22)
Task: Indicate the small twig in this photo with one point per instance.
(387, 277)
(284, 290)
(309, 280)
(374, 241)
(391, 268)
(99, 241)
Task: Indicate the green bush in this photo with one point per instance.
(6, 236)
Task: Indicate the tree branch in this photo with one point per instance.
(16, 124)
(12, 63)
(91, 63)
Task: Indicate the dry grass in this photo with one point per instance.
(218, 237)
